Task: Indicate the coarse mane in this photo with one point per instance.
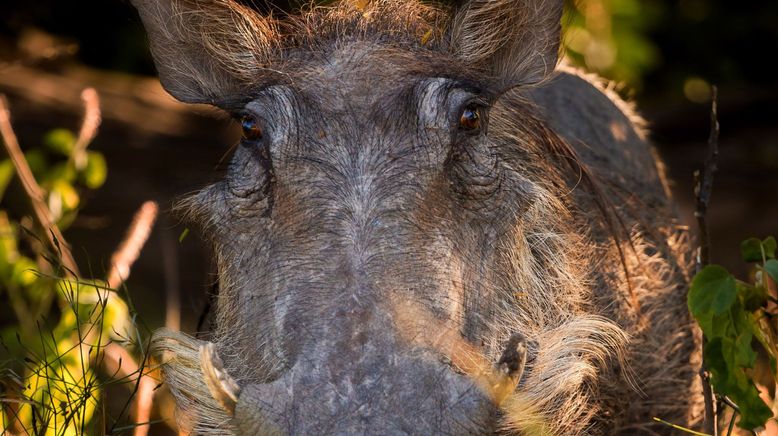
(402, 24)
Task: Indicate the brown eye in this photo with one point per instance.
(470, 119)
(251, 129)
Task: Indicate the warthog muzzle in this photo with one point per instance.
(368, 384)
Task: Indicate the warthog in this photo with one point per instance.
(428, 227)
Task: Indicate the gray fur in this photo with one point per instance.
(375, 258)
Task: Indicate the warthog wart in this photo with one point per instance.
(429, 227)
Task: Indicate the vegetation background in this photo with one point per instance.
(665, 54)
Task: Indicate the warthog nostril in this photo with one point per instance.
(224, 389)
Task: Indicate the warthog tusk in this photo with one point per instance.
(510, 367)
(224, 389)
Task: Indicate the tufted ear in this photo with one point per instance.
(517, 41)
(205, 50)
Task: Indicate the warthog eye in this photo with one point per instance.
(470, 118)
(251, 129)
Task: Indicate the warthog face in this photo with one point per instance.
(397, 244)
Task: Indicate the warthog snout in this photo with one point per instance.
(390, 394)
(397, 388)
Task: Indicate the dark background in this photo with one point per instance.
(667, 53)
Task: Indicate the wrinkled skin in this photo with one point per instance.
(403, 203)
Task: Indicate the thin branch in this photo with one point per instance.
(121, 262)
(121, 363)
(703, 186)
(34, 192)
(92, 119)
(130, 248)
(144, 401)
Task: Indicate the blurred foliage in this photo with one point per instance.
(738, 318)
(675, 49)
(610, 37)
(54, 330)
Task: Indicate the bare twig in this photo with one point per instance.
(121, 262)
(92, 119)
(703, 187)
(121, 363)
(144, 400)
(130, 248)
(42, 213)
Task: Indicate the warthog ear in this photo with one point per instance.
(205, 50)
(516, 40)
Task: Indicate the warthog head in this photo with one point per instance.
(398, 246)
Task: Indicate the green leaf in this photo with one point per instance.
(96, 170)
(61, 172)
(753, 297)
(745, 356)
(717, 363)
(60, 141)
(771, 268)
(770, 245)
(718, 326)
(8, 248)
(67, 193)
(754, 412)
(24, 272)
(37, 162)
(752, 248)
(6, 174)
(761, 336)
(729, 379)
(712, 293)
